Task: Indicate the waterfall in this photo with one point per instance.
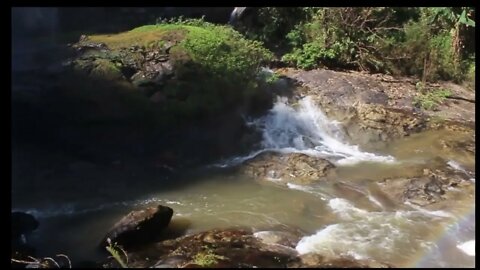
(304, 128)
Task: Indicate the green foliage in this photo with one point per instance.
(272, 78)
(112, 249)
(431, 43)
(215, 66)
(431, 100)
(223, 66)
(271, 24)
(310, 55)
(207, 258)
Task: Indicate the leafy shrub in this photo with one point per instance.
(431, 100)
(431, 43)
(215, 66)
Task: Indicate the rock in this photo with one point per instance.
(174, 261)
(284, 238)
(23, 223)
(283, 168)
(139, 227)
(317, 260)
(231, 248)
(377, 108)
(430, 189)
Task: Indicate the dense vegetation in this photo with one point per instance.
(216, 68)
(430, 43)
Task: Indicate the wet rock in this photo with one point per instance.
(317, 260)
(430, 189)
(174, 261)
(284, 238)
(283, 168)
(139, 227)
(377, 107)
(231, 248)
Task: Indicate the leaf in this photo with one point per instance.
(465, 20)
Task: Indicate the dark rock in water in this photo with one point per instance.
(139, 227)
(23, 223)
(431, 188)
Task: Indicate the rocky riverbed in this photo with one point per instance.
(342, 170)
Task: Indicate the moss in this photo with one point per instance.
(207, 258)
(214, 65)
(146, 36)
(106, 69)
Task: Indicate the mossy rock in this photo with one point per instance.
(214, 67)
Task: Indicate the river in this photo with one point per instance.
(347, 216)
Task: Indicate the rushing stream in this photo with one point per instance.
(346, 216)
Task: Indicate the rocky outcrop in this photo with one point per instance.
(231, 248)
(139, 227)
(293, 168)
(432, 188)
(376, 108)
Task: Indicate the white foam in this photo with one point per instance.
(437, 213)
(308, 190)
(455, 165)
(375, 201)
(365, 234)
(304, 128)
(362, 239)
(468, 247)
(345, 209)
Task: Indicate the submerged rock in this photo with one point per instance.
(433, 189)
(295, 168)
(139, 227)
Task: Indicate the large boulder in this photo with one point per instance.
(293, 168)
(139, 227)
(188, 70)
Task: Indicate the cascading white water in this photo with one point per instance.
(304, 128)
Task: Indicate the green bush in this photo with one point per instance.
(430, 43)
(431, 100)
(215, 66)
